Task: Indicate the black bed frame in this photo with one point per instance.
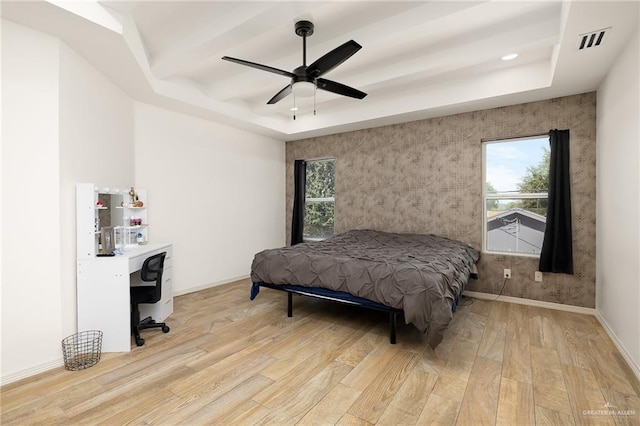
(357, 301)
(351, 300)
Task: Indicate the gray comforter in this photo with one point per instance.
(420, 274)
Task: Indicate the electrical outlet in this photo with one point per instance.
(537, 276)
(507, 274)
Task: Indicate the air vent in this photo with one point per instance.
(592, 39)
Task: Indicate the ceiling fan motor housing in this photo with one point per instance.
(304, 28)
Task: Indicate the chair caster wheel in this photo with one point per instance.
(139, 342)
(165, 329)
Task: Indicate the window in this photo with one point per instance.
(319, 199)
(516, 181)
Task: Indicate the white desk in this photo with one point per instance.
(103, 294)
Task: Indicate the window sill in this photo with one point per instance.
(499, 253)
(311, 240)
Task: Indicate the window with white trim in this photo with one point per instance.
(516, 182)
(319, 199)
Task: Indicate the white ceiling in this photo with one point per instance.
(419, 58)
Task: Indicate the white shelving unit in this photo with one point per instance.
(97, 207)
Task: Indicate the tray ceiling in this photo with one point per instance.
(419, 59)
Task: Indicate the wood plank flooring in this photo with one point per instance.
(228, 360)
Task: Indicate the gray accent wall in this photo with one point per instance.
(426, 177)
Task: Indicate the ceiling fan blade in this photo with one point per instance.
(339, 88)
(281, 94)
(333, 59)
(259, 66)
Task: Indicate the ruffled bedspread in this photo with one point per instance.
(420, 274)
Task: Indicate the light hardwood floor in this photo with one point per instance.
(228, 360)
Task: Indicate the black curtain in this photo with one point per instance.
(557, 251)
(299, 190)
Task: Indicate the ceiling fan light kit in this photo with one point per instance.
(306, 79)
(303, 89)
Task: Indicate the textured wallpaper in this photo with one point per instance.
(426, 177)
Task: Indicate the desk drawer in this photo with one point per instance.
(167, 286)
(168, 260)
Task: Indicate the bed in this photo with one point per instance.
(419, 275)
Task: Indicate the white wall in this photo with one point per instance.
(63, 123)
(618, 201)
(96, 145)
(31, 302)
(215, 192)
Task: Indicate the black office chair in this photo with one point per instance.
(151, 271)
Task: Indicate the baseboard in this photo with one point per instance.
(214, 284)
(531, 302)
(623, 351)
(14, 377)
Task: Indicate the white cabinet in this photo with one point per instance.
(103, 294)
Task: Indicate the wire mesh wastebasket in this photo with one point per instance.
(82, 350)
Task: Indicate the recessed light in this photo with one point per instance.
(509, 56)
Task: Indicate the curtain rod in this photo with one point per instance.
(534, 135)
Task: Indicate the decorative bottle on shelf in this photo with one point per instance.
(134, 196)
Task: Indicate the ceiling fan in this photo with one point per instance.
(305, 79)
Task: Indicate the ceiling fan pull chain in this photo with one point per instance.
(315, 89)
(294, 107)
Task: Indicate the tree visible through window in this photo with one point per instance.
(319, 199)
(516, 179)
